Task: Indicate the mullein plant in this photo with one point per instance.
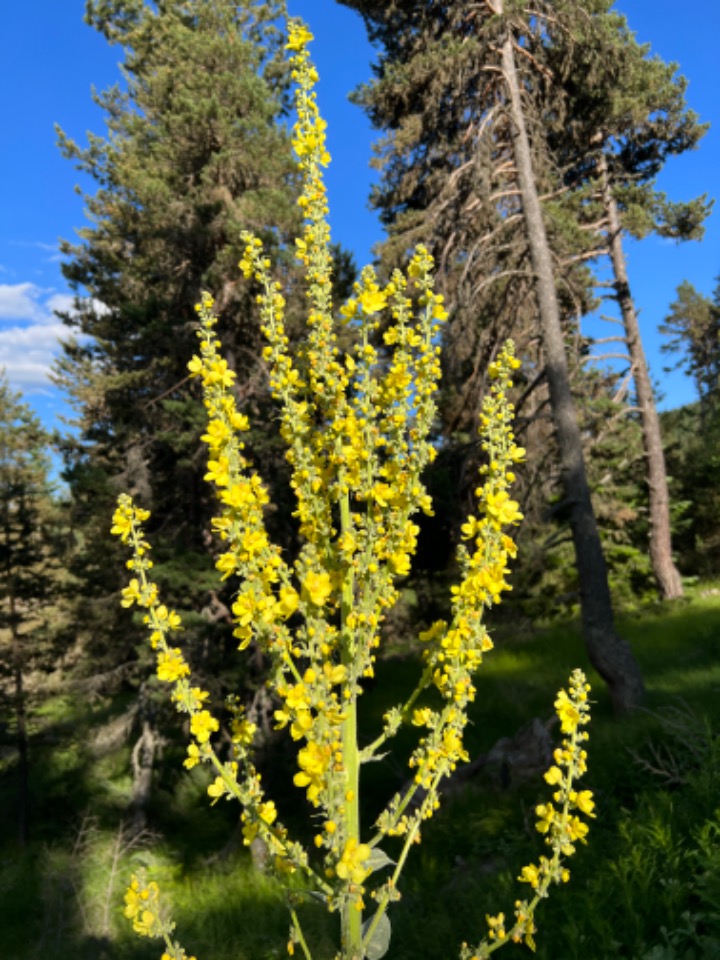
(357, 427)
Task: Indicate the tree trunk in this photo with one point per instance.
(21, 734)
(19, 695)
(143, 763)
(611, 656)
(666, 574)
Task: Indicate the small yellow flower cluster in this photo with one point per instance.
(171, 665)
(142, 908)
(172, 668)
(560, 825)
(352, 865)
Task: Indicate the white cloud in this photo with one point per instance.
(62, 302)
(19, 301)
(27, 353)
(30, 333)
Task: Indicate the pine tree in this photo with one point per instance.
(195, 153)
(622, 114)
(693, 329)
(462, 90)
(29, 575)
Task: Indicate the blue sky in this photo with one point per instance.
(51, 60)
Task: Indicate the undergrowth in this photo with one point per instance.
(647, 889)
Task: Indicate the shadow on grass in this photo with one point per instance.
(644, 869)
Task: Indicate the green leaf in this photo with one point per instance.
(378, 944)
(377, 860)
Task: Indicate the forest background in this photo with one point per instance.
(88, 749)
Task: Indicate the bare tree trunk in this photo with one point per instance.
(666, 574)
(611, 656)
(143, 763)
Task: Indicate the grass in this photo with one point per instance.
(647, 887)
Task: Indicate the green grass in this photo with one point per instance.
(647, 886)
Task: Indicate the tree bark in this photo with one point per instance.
(143, 763)
(21, 734)
(611, 656)
(19, 695)
(666, 574)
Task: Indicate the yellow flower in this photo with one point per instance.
(195, 367)
(193, 757)
(530, 874)
(167, 619)
(171, 666)
(584, 802)
(567, 712)
(422, 717)
(217, 789)
(497, 926)
(202, 724)
(577, 830)
(335, 674)
(400, 563)
(267, 812)
(227, 564)
(122, 523)
(317, 587)
(554, 775)
(502, 509)
(300, 36)
(242, 731)
(238, 495)
(287, 602)
(141, 906)
(313, 761)
(217, 433)
(131, 593)
(218, 472)
(244, 609)
(546, 812)
(351, 865)
(373, 301)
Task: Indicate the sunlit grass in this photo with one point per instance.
(649, 861)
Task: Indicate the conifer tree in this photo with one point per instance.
(693, 329)
(194, 154)
(462, 90)
(29, 575)
(622, 113)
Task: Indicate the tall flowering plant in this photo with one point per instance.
(357, 429)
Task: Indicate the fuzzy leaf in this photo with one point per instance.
(378, 859)
(380, 940)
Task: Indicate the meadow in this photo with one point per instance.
(646, 886)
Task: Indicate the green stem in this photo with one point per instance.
(367, 753)
(299, 934)
(351, 917)
(409, 840)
